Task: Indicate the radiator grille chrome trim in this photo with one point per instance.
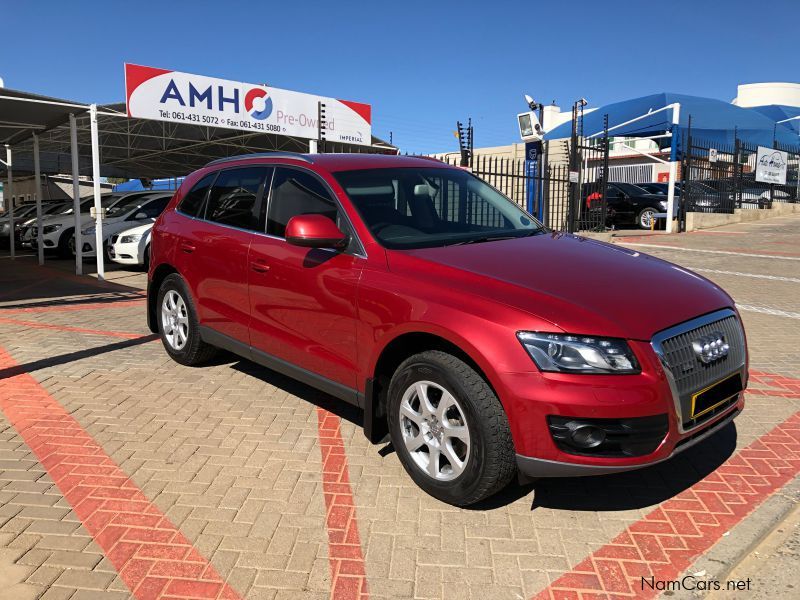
(686, 374)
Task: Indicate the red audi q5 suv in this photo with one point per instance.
(481, 342)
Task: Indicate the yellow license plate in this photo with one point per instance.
(718, 393)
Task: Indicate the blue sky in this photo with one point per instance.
(422, 65)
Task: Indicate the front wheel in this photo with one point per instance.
(647, 218)
(178, 324)
(449, 429)
(66, 244)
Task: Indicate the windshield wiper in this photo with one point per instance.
(492, 238)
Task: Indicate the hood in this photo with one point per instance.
(580, 285)
(142, 229)
(65, 220)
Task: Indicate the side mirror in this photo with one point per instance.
(140, 216)
(314, 231)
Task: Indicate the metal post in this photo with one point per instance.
(10, 195)
(673, 166)
(573, 186)
(38, 173)
(76, 195)
(98, 209)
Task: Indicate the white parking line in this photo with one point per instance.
(753, 275)
(768, 311)
(665, 247)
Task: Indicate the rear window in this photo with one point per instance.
(192, 203)
(233, 197)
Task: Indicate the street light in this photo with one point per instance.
(530, 127)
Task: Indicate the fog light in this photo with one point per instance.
(588, 436)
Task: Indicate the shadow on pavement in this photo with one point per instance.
(22, 279)
(624, 491)
(305, 392)
(63, 359)
(641, 488)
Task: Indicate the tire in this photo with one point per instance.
(65, 249)
(146, 258)
(480, 437)
(645, 217)
(182, 336)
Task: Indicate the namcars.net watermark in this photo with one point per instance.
(693, 582)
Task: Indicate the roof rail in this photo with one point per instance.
(294, 155)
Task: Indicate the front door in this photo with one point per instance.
(303, 300)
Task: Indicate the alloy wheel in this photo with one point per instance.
(646, 219)
(435, 430)
(174, 320)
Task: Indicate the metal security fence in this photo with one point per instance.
(547, 193)
(720, 178)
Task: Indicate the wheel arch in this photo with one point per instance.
(154, 282)
(394, 352)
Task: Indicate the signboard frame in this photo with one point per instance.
(771, 165)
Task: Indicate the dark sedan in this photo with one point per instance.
(629, 204)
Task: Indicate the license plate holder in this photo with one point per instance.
(711, 397)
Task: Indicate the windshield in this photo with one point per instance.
(126, 205)
(630, 189)
(408, 208)
(21, 211)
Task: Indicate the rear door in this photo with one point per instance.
(303, 300)
(212, 252)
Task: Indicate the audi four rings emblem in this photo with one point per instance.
(711, 347)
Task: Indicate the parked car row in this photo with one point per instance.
(637, 204)
(135, 211)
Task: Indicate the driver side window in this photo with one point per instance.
(296, 192)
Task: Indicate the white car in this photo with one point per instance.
(132, 246)
(58, 231)
(128, 212)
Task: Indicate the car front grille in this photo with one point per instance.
(690, 374)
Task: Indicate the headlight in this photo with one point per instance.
(6, 227)
(565, 353)
(662, 204)
(50, 229)
(130, 239)
(88, 230)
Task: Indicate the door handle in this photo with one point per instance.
(259, 266)
(188, 248)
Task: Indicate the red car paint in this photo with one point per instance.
(334, 314)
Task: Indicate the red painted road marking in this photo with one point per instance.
(668, 540)
(37, 325)
(154, 559)
(348, 575)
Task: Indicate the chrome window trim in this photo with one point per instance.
(657, 344)
(359, 253)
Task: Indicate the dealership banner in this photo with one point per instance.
(195, 99)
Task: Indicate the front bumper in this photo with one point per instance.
(542, 408)
(539, 467)
(125, 254)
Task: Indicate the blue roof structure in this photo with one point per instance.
(135, 185)
(780, 112)
(713, 120)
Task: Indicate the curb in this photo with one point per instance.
(742, 539)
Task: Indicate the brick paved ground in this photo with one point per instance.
(270, 486)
